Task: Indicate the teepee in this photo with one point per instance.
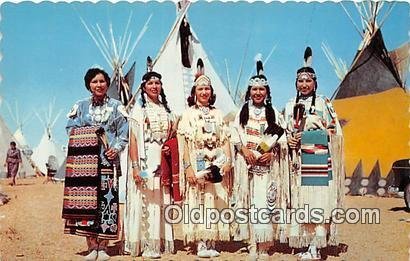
(47, 146)
(372, 102)
(25, 170)
(117, 52)
(20, 122)
(373, 70)
(176, 62)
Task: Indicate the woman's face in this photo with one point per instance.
(258, 94)
(203, 94)
(153, 88)
(98, 86)
(305, 85)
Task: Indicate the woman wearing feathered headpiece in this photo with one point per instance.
(151, 123)
(316, 178)
(206, 160)
(256, 130)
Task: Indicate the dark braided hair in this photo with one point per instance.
(144, 101)
(270, 113)
(163, 100)
(313, 93)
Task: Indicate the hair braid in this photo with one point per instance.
(144, 101)
(313, 104)
(269, 112)
(164, 101)
(244, 114)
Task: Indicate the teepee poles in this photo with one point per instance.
(95, 41)
(387, 14)
(124, 35)
(351, 19)
(241, 68)
(139, 37)
(339, 65)
(228, 78)
(117, 52)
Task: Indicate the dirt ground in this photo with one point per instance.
(31, 228)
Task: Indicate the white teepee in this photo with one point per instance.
(47, 145)
(25, 170)
(178, 79)
(18, 134)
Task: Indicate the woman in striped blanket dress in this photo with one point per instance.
(316, 170)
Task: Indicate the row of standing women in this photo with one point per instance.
(264, 160)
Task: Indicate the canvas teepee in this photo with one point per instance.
(176, 62)
(25, 170)
(47, 146)
(372, 102)
(373, 70)
(18, 134)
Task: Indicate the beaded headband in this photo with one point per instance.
(305, 76)
(258, 82)
(151, 78)
(202, 80)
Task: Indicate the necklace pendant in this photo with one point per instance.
(257, 111)
(208, 128)
(205, 110)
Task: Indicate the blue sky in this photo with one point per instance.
(46, 50)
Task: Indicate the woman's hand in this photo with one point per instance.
(294, 140)
(190, 176)
(266, 158)
(226, 169)
(331, 130)
(166, 150)
(227, 182)
(111, 153)
(249, 156)
(136, 175)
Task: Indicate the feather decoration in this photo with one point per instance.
(308, 57)
(200, 68)
(259, 65)
(149, 64)
(258, 57)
